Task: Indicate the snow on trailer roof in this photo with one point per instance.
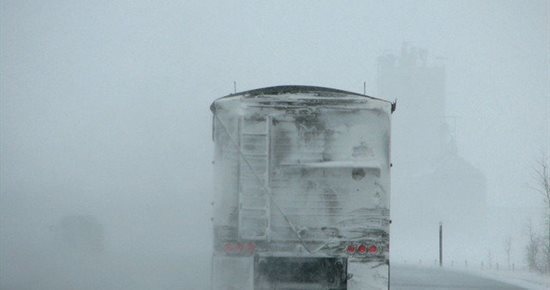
(296, 89)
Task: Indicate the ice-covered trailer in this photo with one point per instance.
(302, 190)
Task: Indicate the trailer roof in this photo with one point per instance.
(292, 89)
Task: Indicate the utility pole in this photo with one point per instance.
(440, 244)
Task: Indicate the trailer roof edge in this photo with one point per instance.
(286, 89)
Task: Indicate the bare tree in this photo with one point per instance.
(532, 249)
(542, 178)
(489, 258)
(508, 249)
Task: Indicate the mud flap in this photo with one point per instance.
(232, 273)
(368, 276)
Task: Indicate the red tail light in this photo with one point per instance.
(236, 248)
(351, 249)
(373, 249)
(362, 249)
(251, 247)
(228, 248)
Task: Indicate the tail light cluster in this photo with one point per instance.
(362, 249)
(239, 248)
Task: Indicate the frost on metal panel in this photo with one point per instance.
(302, 173)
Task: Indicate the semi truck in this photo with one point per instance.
(301, 189)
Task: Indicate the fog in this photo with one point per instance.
(104, 114)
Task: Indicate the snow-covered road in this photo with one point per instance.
(153, 271)
(416, 278)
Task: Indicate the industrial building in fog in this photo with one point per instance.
(431, 182)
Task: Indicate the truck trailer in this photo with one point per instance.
(302, 190)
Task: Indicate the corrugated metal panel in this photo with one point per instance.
(296, 163)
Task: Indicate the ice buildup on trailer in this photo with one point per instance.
(302, 190)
